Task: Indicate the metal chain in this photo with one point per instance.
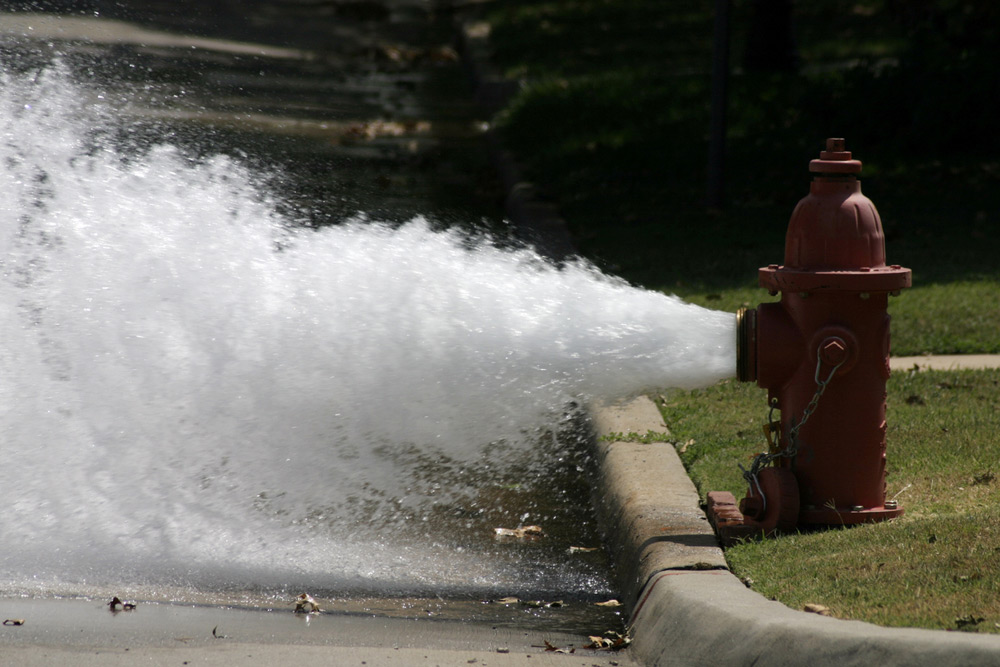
(792, 448)
(793, 432)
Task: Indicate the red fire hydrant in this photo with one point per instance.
(822, 353)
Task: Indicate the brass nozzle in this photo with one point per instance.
(746, 344)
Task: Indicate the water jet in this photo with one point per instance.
(201, 390)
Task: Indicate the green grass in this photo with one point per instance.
(927, 569)
(645, 438)
(931, 573)
(611, 122)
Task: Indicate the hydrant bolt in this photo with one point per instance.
(833, 351)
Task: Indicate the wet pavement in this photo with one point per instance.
(85, 632)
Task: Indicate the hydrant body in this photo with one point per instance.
(822, 353)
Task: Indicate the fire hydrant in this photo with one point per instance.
(822, 353)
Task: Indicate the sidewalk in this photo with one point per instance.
(945, 362)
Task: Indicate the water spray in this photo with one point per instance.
(196, 387)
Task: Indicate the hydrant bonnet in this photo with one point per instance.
(835, 239)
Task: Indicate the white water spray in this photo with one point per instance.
(194, 389)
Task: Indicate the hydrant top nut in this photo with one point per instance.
(835, 160)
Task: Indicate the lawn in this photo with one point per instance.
(934, 567)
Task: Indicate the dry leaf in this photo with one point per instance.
(555, 649)
(510, 600)
(608, 603)
(814, 608)
(116, 604)
(582, 550)
(611, 641)
(14, 621)
(520, 533)
(305, 604)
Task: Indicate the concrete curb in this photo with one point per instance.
(647, 502)
(686, 610)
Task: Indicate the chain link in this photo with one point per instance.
(792, 448)
(793, 432)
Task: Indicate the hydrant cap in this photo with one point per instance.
(835, 239)
(835, 160)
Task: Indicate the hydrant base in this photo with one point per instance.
(837, 517)
(777, 513)
(725, 516)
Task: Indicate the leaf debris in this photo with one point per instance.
(582, 550)
(306, 604)
(814, 608)
(550, 648)
(608, 603)
(524, 532)
(609, 641)
(116, 605)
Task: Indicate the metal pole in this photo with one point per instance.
(720, 85)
